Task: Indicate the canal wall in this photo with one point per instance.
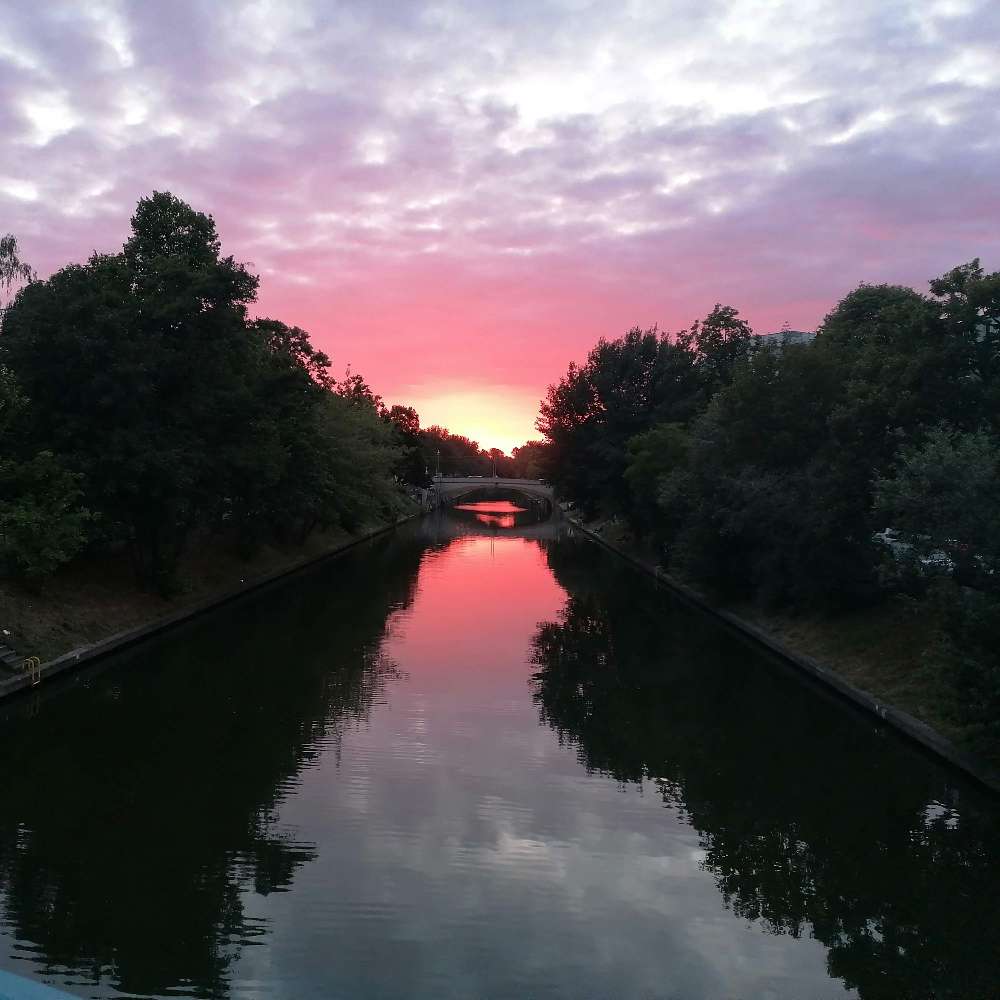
(918, 732)
(83, 655)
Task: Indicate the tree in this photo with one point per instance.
(499, 461)
(137, 384)
(140, 371)
(625, 386)
(773, 506)
(12, 402)
(722, 341)
(42, 524)
(14, 272)
(969, 300)
(944, 496)
(901, 372)
(351, 482)
(266, 495)
(456, 454)
(528, 460)
(406, 420)
(291, 347)
(412, 467)
(655, 458)
(353, 387)
(780, 490)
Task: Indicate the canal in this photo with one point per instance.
(480, 757)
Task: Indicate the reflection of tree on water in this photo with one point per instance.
(811, 821)
(137, 814)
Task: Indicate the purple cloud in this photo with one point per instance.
(454, 196)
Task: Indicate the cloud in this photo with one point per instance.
(421, 183)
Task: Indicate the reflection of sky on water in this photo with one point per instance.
(498, 513)
(437, 768)
(467, 853)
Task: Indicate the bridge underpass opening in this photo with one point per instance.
(531, 496)
(540, 506)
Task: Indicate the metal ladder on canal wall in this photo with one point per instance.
(11, 660)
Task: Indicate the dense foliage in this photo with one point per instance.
(140, 406)
(826, 474)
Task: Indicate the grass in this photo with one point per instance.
(91, 599)
(885, 650)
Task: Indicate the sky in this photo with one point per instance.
(457, 200)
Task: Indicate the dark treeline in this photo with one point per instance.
(831, 474)
(141, 408)
(434, 449)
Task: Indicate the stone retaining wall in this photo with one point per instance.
(88, 654)
(915, 730)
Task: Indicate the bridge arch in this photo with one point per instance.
(449, 490)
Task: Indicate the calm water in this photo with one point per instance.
(480, 758)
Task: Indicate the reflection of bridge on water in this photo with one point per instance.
(450, 490)
(445, 525)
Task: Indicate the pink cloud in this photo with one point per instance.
(460, 201)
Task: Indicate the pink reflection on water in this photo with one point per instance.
(500, 520)
(477, 605)
(500, 513)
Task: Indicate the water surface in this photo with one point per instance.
(480, 757)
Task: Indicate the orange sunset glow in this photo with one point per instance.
(495, 416)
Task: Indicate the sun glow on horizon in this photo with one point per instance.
(494, 416)
(459, 201)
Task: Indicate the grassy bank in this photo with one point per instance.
(885, 650)
(91, 599)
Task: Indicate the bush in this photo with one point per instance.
(42, 524)
(970, 663)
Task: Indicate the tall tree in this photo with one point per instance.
(528, 460)
(722, 341)
(412, 466)
(587, 417)
(139, 367)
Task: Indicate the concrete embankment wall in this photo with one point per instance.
(915, 730)
(84, 655)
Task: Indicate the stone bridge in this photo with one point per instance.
(453, 489)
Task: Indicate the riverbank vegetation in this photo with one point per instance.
(824, 479)
(143, 409)
(156, 438)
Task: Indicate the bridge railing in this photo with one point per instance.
(492, 479)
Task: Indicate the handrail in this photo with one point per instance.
(33, 667)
